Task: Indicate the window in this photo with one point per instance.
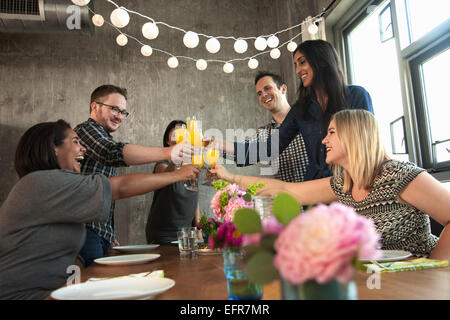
(429, 72)
(417, 17)
(399, 51)
(373, 64)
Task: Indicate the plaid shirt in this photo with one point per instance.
(292, 162)
(102, 156)
(291, 165)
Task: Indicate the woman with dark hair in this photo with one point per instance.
(173, 206)
(322, 93)
(42, 220)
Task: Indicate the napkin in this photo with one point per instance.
(156, 274)
(410, 265)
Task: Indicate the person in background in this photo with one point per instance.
(173, 206)
(108, 109)
(42, 220)
(398, 196)
(322, 92)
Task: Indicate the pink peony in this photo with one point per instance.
(251, 239)
(321, 244)
(236, 201)
(271, 225)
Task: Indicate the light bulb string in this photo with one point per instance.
(218, 37)
(191, 58)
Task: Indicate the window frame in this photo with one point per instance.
(345, 16)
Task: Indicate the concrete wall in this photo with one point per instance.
(45, 77)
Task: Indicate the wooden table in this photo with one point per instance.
(203, 279)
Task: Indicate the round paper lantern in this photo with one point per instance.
(253, 63)
(291, 46)
(273, 41)
(81, 2)
(212, 45)
(172, 62)
(240, 46)
(122, 40)
(228, 68)
(260, 44)
(120, 18)
(313, 29)
(98, 20)
(150, 30)
(275, 53)
(191, 39)
(201, 64)
(146, 50)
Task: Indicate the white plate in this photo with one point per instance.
(115, 289)
(390, 255)
(126, 260)
(137, 248)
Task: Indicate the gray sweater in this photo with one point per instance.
(42, 229)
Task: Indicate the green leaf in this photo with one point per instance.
(247, 197)
(219, 184)
(247, 221)
(267, 242)
(260, 269)
(285, 208)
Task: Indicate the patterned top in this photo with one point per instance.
(402, 226)
(102, 155)
(291, 165)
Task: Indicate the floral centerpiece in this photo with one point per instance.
(230, 197)
(224, 235)
(318, 247)
(227, 200)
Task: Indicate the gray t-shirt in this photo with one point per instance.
(42, 229)
(173, 207)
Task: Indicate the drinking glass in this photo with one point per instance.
(180, 135)
(187, 243)
(211, 157)
(197, 160)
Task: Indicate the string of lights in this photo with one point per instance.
(120, 18)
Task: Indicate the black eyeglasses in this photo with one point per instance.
(115, 110)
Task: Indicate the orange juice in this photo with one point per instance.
(195, 138)
(180, 135)
(197, 159)
(212, 155)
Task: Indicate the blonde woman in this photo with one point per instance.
(397, 196)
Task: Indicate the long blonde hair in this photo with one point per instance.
(360, 139)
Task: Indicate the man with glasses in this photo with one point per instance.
(103, 155)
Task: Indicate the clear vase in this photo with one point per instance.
(311, 290)
(239, 288)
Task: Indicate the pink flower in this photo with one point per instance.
(320, 244)
(251, 239)
(215, 205)
(271, 225)
(236, 201)
(211, 242)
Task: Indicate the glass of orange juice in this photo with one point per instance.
(180, 135)
(211, 157)
(197, 160)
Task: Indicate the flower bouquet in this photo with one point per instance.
(224, 235)
(230, 197)
(319, 248)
